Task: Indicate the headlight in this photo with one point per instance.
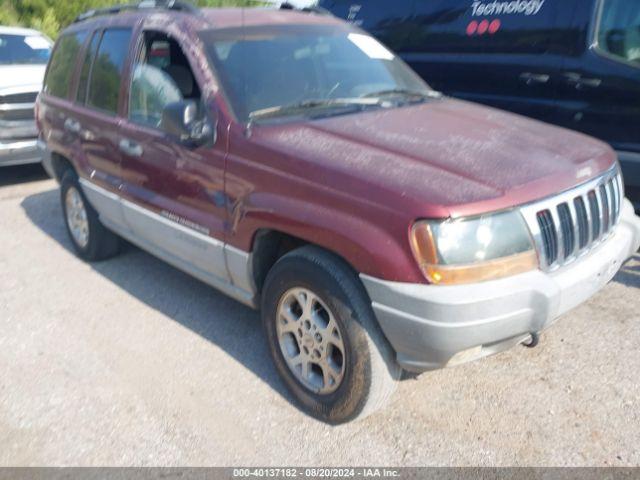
(475, 249)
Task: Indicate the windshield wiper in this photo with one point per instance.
(423, 94)
(313, 104)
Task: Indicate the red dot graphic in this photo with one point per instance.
(494, 26)
(472, 27)
(483, 27)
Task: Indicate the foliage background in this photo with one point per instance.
(50, 16)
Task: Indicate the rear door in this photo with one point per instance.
(173, 193)
(96, 121)
(507, 55)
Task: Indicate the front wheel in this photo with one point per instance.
(324, 339)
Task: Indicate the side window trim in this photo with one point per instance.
(98, 33)
(594, 38)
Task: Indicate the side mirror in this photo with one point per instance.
(184, 121)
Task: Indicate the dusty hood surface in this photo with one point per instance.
(21, 75)
(452, 157)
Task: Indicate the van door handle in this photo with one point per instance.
(534, 78)
(70, 125)
(580, 82)
(131, 148)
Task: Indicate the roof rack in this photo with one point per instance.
(319, 10)
(175, 5)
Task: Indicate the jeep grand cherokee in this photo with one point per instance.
(295, 163)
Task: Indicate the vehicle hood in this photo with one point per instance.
(21, 75)
(441, 158)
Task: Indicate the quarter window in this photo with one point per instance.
(62, 64)
(619, 32)
(106, 74)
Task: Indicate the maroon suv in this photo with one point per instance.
(296, 164)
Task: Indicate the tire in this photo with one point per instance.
(356, 381)
(99, 243)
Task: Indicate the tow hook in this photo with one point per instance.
(532, 341)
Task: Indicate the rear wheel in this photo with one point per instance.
(90, 239)
(324, 339)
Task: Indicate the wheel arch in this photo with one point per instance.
(60, 164)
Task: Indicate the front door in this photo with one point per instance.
(173, 193)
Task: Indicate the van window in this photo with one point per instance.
(161, 75)
(63, 63)
(106, 74)
(619, 29)
(87, 63)
(485, 26)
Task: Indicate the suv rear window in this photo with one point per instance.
(62, 64)
(619, 30)
(106, 74)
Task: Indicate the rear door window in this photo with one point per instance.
(106, 73)
(63, 63)
(619, 30)
(486, 26)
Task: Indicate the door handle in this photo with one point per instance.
(70, 125)
(131, 148)
(534, 78)
(580, 82)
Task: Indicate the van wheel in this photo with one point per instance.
(90, 239)
(324, 339)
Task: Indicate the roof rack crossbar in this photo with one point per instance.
(176, 5)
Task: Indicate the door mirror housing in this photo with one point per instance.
(185, 121)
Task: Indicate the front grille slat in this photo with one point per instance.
(582, 220)
(566, 226)
(606, 212)
(616, 200)
(545, 220)
(570, 225)
(594, 209)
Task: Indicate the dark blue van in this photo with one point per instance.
(574, 63)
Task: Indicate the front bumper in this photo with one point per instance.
(433, 326)
(19, 152)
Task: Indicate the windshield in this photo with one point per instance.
(24, 49)
(268, 68)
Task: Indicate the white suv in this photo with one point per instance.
(24, 54)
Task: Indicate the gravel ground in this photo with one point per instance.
(131, 362)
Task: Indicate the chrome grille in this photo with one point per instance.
(17, 109)
(571, 224)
